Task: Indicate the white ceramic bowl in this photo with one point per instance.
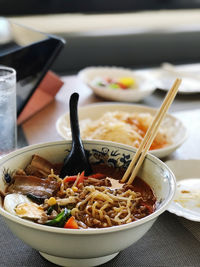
(144, 83)
(173, 127)
(88, 247)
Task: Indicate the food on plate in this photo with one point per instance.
(99, 200)
(114, 83)
(122, 127)
(188, 194)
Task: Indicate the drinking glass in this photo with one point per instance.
(8, 126)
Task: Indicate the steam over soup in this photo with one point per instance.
(37, 193)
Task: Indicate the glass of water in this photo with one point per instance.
(8, 125)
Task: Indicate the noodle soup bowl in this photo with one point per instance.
(88, 247)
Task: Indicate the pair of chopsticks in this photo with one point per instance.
(141, 152)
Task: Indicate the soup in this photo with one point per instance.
(37, 193)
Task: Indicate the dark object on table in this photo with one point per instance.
(30, 53)
(76, 161)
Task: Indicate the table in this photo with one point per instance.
(172, 241)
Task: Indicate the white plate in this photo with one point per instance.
(144, 86)
(174, 127)
(167, 73)
(186, 202)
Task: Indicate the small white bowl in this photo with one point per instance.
(88, 247)
(143, 88)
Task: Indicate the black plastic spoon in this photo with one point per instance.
(76, 161)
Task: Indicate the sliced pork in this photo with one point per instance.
(36, 186)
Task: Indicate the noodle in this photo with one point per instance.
(99, 200)
(122, 127)
(93, 202)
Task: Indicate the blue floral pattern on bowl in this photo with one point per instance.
(110, 157)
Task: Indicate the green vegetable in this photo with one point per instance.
(101, 84)
(60, 219)
(114, 86)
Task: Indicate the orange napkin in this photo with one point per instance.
(42, 96)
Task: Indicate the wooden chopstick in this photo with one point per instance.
(150, 134)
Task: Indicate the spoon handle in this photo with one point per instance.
(74, 119)
(76, 161)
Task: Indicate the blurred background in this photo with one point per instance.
(136, 34)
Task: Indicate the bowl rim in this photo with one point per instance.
(90, 231)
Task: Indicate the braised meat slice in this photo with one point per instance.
(39, 167)
(36, 186)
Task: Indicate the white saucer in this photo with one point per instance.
(186, 202)
(167, 73)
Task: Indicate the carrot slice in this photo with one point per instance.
(81, 177)
(70, 179)
(71, 223)
(98, 175)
